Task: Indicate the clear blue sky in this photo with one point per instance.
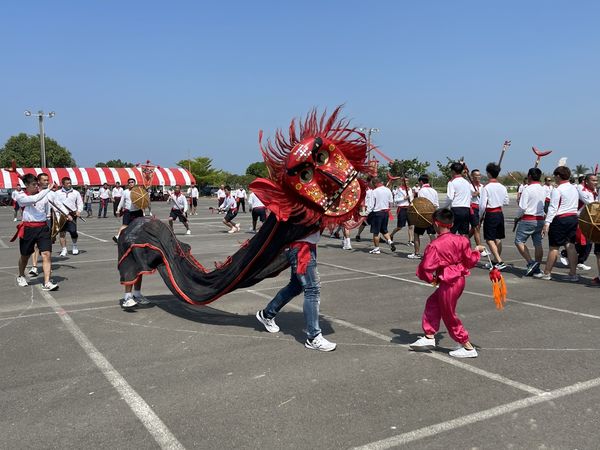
(141, 80)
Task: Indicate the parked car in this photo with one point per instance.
(5, 197)
(209, 191)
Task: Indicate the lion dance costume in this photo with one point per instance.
(313, 183)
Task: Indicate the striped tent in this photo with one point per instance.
(97, 176)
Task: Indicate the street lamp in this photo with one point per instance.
(369, 131)
(41, 115)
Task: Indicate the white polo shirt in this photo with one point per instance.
(430, 194)
(493, 195)
(564, 201)
(382, 198)
(459, 193)
(531, 203)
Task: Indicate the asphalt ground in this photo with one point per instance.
(78, 372)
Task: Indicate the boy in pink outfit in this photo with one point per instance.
(446, 263)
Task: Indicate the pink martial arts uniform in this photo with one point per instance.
(447, 260)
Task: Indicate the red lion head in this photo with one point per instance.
(313, 173)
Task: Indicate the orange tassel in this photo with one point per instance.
(499, 290)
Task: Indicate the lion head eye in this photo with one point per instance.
(306, 175)
(321, 157)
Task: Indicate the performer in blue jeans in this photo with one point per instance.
(302, 256)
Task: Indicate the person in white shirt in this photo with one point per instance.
(229, 207)
(493, 197)
(241, 198)
(104, 199)
(133, 292)
(520, 189)
(548, 187)
(530, 221)
(179, 209)
(34, 230)
(70, 204)
(476, 186)
(459, 199)
(302, 257)
(425, 191)
(88, 198)
(221, 197)
(402, 200)
(366, 208)
(259, 211)
(561, 224)
(16, 191)
(382, 202)
(194, 194)
(587, 195)
(117, 192)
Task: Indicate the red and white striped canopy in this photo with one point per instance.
(97, 176)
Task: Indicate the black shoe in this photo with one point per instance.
(357, 238)
(393, 247)
(115, 239)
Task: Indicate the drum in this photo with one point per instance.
(140, 197)
(589, 222)
(420, 212)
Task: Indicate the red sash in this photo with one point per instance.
(21, 229)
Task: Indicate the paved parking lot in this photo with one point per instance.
(77, 371)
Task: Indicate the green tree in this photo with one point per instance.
(581, 169)
(258, 169)
(444, 168)
(201, 168)
(408, 167)
(24, 149)
(115, 163)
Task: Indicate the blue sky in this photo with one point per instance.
(153, 80)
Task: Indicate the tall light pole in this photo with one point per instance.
(41, 115)
(369, 131)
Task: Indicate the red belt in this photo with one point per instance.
(566, 215)
(491, 210)
(475, 205)
(531, 217)
(304, 249)
(21, 228)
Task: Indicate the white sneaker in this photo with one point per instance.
(463, 353)
(347, 247)
(232, 230)
(75, 251)
(128, 302)
(15, 219)
(63, 252)
(237, 226)
(375, 251)
(564, 261)
(423, 343)
(320, 343)
(188, 232)
(414, 256)
(33, 271)
(22, 282)
(583, 267)
(141, 300)
(269, 324)
(484, 253)
(49, 286)
(542, 276)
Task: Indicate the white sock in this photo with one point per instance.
(128, 295)
(137, 293)
(390, 241)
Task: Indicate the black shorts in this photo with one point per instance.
(70, 227)
(38, 235)
(130, 216)
(194, 202)
(230, 215)
(402, 213)
(379, 222)
(178, 214)
(493, 226)
(461, 220)
(562, 231)
(369, 218)
(597, 249)
(259, 214)
(474, 217)
(422, 231)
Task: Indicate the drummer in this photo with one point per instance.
(402, 199)
(425, 191)
(129, 209)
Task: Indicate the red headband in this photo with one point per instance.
(443, 224)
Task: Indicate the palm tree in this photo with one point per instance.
(581, 169)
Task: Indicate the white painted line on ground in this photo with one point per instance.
(93, 237)
(155, 426)
(479, 416)
(434, 355)
(24, 316)
(71, 261)
(478, 294)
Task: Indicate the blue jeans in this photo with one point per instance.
(310, 283)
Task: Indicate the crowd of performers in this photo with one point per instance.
(314, 187)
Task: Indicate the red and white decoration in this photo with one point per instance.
(97, 176)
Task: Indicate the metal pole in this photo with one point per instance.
(42, 140)
(369, 145)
